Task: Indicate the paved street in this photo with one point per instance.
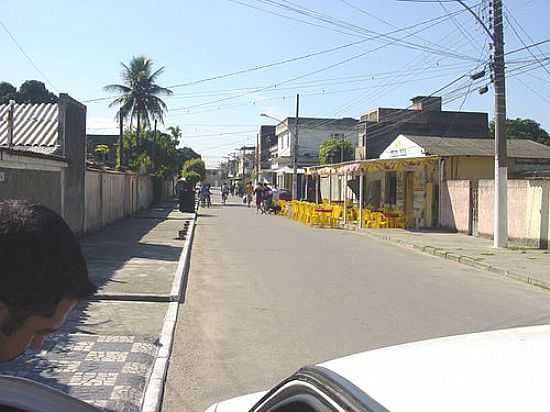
(105, 352)
(267, 295)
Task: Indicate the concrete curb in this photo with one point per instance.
(462, 259)
(154, 391)
(183, 264)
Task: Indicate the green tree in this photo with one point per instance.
(176, 134)
(7, 92)
(523, 129)
(336, 150)
(31, 91)
(34, 91)
(194, 166)
(168, 159)
(139, 94)
(192, 177)
(186, 153)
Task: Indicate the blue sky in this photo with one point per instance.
(78, 46)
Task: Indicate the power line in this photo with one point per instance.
(521, 39)
(461, 29)
(360, 10)
(27, 56)
(397, 84)
(305, 84)
(347, 60)
(340, 23)
(291, 18)
(294, 59)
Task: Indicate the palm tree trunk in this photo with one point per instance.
(138, 136)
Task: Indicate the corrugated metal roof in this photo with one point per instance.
(34, 125)
(458, 146)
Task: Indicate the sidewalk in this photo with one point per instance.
(528, 265)
(106, 351)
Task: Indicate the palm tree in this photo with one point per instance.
(176, 134)
(138, 95)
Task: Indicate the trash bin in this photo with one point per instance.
(187, 200)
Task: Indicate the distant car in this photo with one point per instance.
(504, 370)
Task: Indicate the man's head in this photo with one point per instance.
(43, 275)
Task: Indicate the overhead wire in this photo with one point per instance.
(24, 53)
(325, 68)
(412, 73)
(287, 5)
(508, 13)
(293, 59)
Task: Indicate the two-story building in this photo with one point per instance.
(378, 128)
(311, 133)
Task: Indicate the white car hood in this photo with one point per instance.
(239, 404)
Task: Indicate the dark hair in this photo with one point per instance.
(41, 258)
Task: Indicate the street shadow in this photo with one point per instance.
(106, 252)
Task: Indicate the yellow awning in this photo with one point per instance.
(374, 165)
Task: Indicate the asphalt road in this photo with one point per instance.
(267, 295)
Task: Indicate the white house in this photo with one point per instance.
(311, 133)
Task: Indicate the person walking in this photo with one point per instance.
(259, 192)
(267, 198)
(249, 192)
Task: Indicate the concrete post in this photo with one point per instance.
(345, 180)
(361, 200)
(317, 182)
(330, 188)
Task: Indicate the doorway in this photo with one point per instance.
(409, 199)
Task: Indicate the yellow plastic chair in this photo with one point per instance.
(336, 215)
(379, 220)
(366, 217)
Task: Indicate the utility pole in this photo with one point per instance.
(295, 152)
(258, 156)
(244, 162)
(501, 158)
(120, 139)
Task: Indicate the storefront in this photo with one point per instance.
(409, 185)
